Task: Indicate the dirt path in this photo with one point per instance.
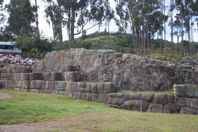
(5, 95)
(81, 122)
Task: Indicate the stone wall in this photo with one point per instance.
(125, 71)
(69, 83)
(184, 101)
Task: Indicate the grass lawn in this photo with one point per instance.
(88, 116)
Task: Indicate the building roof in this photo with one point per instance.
(7, 43)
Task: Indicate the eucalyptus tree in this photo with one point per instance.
(20, 17)
(36, 17)
(143, 18)
(54, 16)
(183, 17)
(1, 14)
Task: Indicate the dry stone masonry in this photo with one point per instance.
(99, 76)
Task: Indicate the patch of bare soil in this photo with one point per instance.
(81, 122)
(5, 95)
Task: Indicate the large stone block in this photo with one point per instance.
(76, 95)
(20, 69)
(88, 88)
(83, 96)
(147, 97)
(184, 102)
(134, 96)
(171, 99)
(112, 95)
(140, 105)
(194, 103)
(100, 87)
(102, 98)
(49, 85)
(155, 108)
(187, 110)
(60, 85)
(185, 90)
(116, 101)
(47, 76)
(72, 87)
(16, 76)
(66, 68)
(72, 76)
(56, 76)
(93, 88)
(82, 84)
(160, 99)
(24, 84)
(36, 76)
(24, 76)
(171, 108)
(109, 87)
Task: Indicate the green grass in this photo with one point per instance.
(148, 92)
(81, 116)
(34, 107)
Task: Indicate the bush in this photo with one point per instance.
(34, 46)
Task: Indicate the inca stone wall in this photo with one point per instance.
(125, 71)
(184, 101)
(66, 83)
(99, 76)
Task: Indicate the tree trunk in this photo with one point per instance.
(72, 23)
(37, 22)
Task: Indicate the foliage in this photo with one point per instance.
(21, 17)
(34, 46)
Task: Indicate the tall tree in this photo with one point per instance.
(21, 17)
(1, 14)
(36, 17)
(144, 18)
(55, 17)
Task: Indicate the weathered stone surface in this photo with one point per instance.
(115, 101)
(170, 98)
(72, 86)
(160, 99)
(184, 101)
(100, 87)
(102, 98)
(140, 105)
(109, 87)
(93, 88)
(24, 76)
(36, 76)
(56, 76)
(185, 90)
(60, 85)
(126, 71)
(72, 76)
(155, 108)
(88, 88)
(187, 110)
(147, 97)
(66, 67)
(194, 103)
(171, 108)
(47, 76)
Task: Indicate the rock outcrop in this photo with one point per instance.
(126, 71)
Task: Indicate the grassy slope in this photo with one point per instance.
(88, 116)
(122, 43)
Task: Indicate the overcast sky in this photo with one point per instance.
(46, 29)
